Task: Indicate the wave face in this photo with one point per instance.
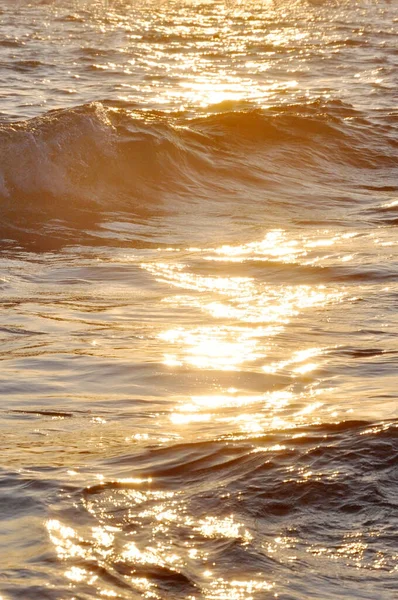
(79, 164)
(275, 510)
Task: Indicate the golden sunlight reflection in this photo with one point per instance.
(275, 244)
(278, 245)
(222, 348)
(245, 413)
(276, 399)
(204, 91)
(310, 409)
(226, 528)
(283, 547)
(222, 589)
(307, 368)
(148, 556)
(242, 298)
(243, 317)
(200, 88)
(79, 575)
(65, 540)
(69, 544)
(165, 513)
(240, 301)
(352, 550)
(298, 358)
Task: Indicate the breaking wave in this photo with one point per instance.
(76, 164)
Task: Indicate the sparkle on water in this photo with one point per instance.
(225, 330)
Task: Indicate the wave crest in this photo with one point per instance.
(101, 158)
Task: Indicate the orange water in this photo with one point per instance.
(199, 282)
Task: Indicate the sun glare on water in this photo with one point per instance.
(243, 323)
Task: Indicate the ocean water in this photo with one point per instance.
(199, 290)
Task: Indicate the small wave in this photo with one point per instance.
(11, 43)
(385, 214)
(26, 65)
(91, 52)
(19, 331)
(296, 481)
(71, 19)
(391, 221)
(44, 413)
(353, 352)
(351, 43)
(381, 188)
(157, 573)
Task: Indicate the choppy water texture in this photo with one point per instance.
(199, 288)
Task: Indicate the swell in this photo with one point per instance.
(78, 164)
(244, 505)
(356, 445)
(235, 496)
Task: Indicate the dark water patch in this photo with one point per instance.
(168, 579)
(163, 37)
(381, 188)
(379, 273)
(386, 209)
(391, 222)
(44, 413)
(92, 52)
(24, 66)
(11, 43)
(19, 331)
(15, 502)
(25, 493)
(71, 18)
(353, 352)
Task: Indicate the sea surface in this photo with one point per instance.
(199, 294)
